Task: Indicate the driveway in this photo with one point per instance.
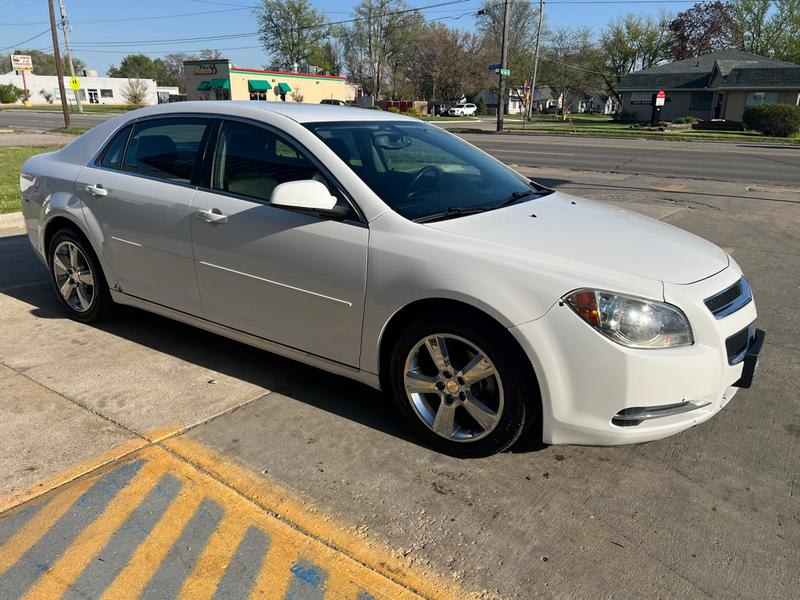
(323, 469)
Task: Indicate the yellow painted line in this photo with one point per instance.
(91, 540)
(273, 579)
(148, 556)
(71, 473)
(211, 564)
(268, 495)
(22, 541)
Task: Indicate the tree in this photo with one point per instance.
(768, 27)
(523, 21)
(632, 43)
(290, 30)
(571, 64)
(139, 66)
(378, 36)
(43, 62)
(9, 93)
(134, 92)
(703, 28)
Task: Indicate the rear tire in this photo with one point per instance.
(77, 277)
(462, 385)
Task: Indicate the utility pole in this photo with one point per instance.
(65, 29)
(59, 66)
(536, 59)
(501, 92)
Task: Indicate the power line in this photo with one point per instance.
(18, 44)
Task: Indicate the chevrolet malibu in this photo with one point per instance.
(380, 248)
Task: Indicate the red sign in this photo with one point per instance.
(661, 97)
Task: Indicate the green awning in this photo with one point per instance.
(258, 85)
(284, 87)
(220, 84)
(204, 85)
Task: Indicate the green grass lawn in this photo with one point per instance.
(70, 130)
(603, 126)
(444, 118)
(87, 108)
(11, 159)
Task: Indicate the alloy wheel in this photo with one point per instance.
(453, 387)
(74, 277)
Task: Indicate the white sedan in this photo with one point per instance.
(387, 250)
(462, 110)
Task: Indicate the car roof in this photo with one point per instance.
(302, 113)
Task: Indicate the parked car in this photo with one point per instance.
(333, 101)
(462, 110)
(390, 251)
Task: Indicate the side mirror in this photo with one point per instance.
(307, 194)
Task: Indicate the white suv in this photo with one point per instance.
(462, 110)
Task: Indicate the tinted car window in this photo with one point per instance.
(251, 161)
(112, 155)
(165, 148)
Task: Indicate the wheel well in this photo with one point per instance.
(441, 306)
(57, 224)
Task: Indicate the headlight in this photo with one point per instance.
(630, 321)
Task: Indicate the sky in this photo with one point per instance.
(104, 31)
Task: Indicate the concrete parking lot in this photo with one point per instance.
(295, 483)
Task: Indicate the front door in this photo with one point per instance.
(288, 276)
(719, 105)
(141, 205)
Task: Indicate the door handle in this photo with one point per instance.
(97, 190)
(214, 216)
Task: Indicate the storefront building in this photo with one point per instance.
(219, 80)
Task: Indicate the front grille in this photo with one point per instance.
(737, 344)
(730, 299)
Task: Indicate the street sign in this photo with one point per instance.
(661, 98)
(75, 83)
(495, 66)
(503, 72)
(21, 62)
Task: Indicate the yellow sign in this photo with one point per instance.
(75, 83)
(21, 62)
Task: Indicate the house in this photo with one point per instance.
(515, 100)
(43, 89)
(546, 99)
(218, 79)
(719, 85)
(595, 102)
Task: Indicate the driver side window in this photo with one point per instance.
(251, 161)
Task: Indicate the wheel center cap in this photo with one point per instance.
(451, 386)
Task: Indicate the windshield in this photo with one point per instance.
(421, 171)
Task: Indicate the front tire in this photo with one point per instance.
(77, 277)
(462, 385)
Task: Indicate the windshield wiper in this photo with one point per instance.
(515, 197)
(452, 212)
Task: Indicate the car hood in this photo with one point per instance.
(583, 231)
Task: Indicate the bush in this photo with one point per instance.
(393, 109)
(625, 116)
(412, 112)
(481, 104)
(776, 120)
(9, 93)
(686, 120)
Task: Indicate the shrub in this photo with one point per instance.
(776, 120)
(375, 107)
(481, 104)
(9, 93)
(626, 116)
(412, 112)
(686, 120)
(393, 109)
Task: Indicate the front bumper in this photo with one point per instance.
(595, 391)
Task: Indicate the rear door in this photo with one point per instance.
(294, 277)
(139, 193)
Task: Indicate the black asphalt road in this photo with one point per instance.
(744, 162)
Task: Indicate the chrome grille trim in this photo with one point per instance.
(729, 300)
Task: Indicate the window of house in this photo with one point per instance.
(165, 148)
(756, 98)
(251, 161)
(106, 93)
(258, 95)
(701, 101)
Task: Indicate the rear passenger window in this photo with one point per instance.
(112, 155)
(165, 148)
